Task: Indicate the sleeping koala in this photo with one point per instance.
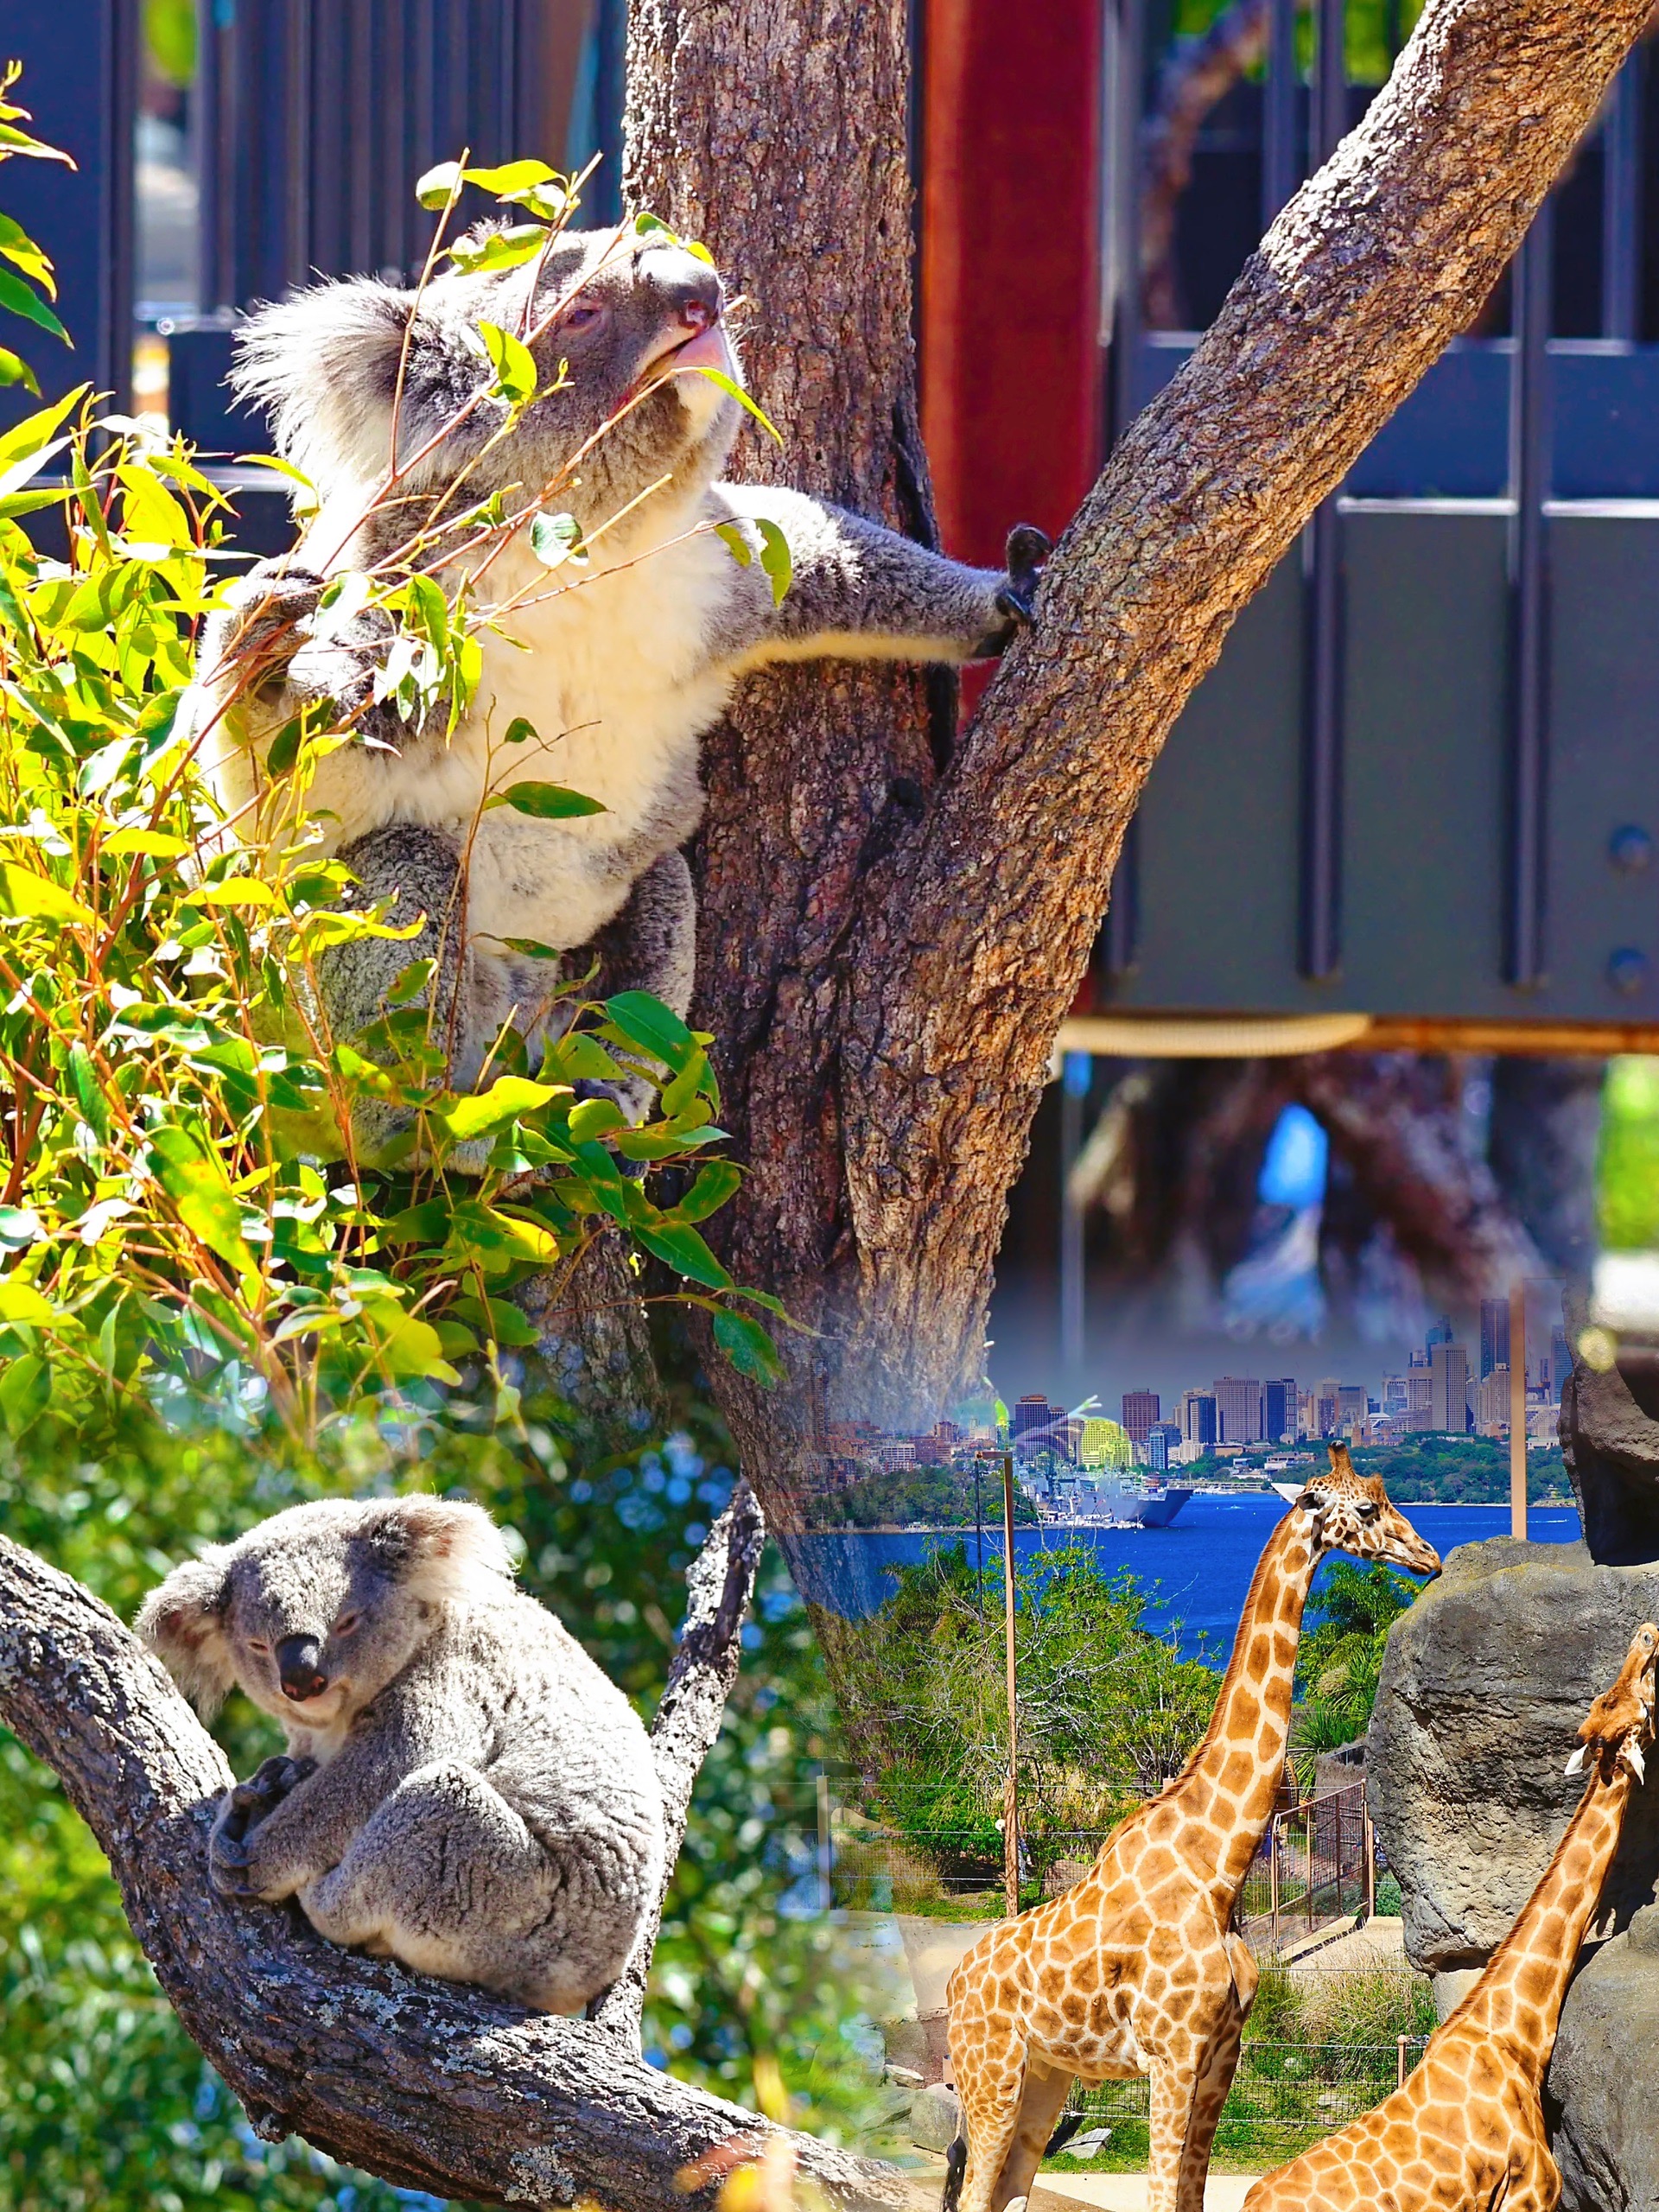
(464, 1790)
(618, 664)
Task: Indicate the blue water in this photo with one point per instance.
(1202, 1564)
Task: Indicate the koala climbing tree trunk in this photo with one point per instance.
(889, 938)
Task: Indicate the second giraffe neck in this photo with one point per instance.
(1517, 2001)
(1233, 1778)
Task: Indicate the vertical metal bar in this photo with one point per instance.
(297, 99)
(1321, 887)
(115, 320)
(1518, 1411)
(1621, 200)
(1281, 167)
(1322, 747)
(1400, 2061)
(1530, 600)
(1077, 1071)
(1011, 1801)
(356, 119)
(1122, 942)
(396, 242)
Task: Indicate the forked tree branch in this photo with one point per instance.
(428, 2084)
(720, 1583)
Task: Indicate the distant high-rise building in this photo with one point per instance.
(1494, 1334)
(1492, 1401)
(1198, 1417)
(1279, 1410)
(1350, 1406)
(1031, 1414)
(1140, 1409)
(1449, 1389)
(1327, 1400)
(1560, 1360)
(1238, 1409)
(1068, 1437)
(1394, 1397)
(1440, 1333)
(1161, 1442)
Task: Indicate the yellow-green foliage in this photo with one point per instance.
(1627, 1169)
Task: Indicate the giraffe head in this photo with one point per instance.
(1619, 1725)
(1350, 1512)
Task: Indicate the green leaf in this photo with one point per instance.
(596, 1117)
(546, 802)
(27, 897)
(19, 1225)
(410, 983)
(21, 300)
(422, 1225)
(730, 534)
(499, 1319)
(15, 370)
(678, 1243)
(733, 390)
(749, 1348)
(22, 1305)
(580, 1057)
(508, 248)
(25, 1392)
(518, 731)
(438, 185)
(555, 539)
(510, 178)
(514, 366)
(507, 1097)
(775, 559)
(716, 1182)
(89, 1092)
(645, 1020)
(21, 252)
(201, 1197)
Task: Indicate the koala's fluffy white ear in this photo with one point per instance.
(323, 367)
(445, 1548)
(182, 1621)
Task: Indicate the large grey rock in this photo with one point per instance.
(1611, 1448)
(935, 2116)
(1604, 2080)
(1486, 1680)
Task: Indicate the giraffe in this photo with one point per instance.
(1133, 1970)
(1466, 2133)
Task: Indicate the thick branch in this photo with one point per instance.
(428, 2084)
(721, 1582)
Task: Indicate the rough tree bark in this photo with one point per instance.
(428, 2084)
(887, 946)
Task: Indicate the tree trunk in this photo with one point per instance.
(887, 948)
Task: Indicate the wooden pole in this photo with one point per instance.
(1011, 1802)
(1518, 1411)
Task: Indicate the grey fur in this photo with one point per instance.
(326, 364)
(469, 1794)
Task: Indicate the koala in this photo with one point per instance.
(463, 1790)
(618, 661)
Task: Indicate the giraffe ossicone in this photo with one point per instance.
(1465, 2132)
(1135, 1970)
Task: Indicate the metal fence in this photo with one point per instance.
(1284, 2096)
(1316, 1865)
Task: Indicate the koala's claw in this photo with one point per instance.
(244, 1806)
(269, 607)
(1029, 548)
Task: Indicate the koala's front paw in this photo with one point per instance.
(229, 1852)
(1029, 548)
(268, 606)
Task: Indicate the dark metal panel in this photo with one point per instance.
(80, 71)
(1525, 956)
(1425, 693)
(1218, 857)
(1604, 811)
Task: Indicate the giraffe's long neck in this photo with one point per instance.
(1517, 2001)
(1231, 1780)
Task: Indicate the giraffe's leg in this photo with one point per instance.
(1174, 2084)
(1215, 2078)
(1040, 2106)
(990, 2082)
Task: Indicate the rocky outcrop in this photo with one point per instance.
(1611, 1443)
(1486, 1680)
(1603, 2090)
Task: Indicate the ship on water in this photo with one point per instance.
(1123, 1501)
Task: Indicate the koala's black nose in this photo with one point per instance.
(688, 288)
(297, 1666)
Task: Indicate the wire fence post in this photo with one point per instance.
(826, 1846)
(1011, 1807)
(1518, 1411)
(1401, 2042)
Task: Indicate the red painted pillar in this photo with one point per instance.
(1011, 192)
